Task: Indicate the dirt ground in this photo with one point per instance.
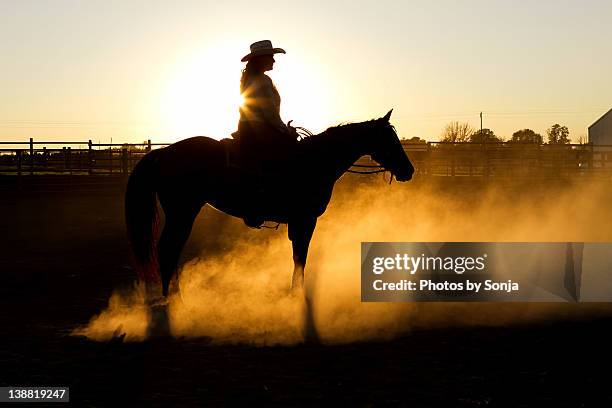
(64, 254)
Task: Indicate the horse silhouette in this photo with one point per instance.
(197, 171)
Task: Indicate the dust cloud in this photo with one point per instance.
(126, 315)
(239, 293)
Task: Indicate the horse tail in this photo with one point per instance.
(142, 217)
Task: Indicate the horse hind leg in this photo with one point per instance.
(175, 234)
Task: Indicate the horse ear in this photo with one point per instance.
(387, 116)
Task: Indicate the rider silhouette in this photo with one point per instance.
(264, 139)
(266, 143)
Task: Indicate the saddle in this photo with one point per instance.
(233, 154)
(267, 162)
(259, 182)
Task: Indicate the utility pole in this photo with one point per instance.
(481, 123)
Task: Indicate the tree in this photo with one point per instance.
(484, 135)
(526, 136)
(558, 134)
(415, 140)
(457, 132)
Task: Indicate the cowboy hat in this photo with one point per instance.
(262, 48)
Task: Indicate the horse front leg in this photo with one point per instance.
(300, 233)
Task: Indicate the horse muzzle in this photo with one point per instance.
(403, 177)
(405, 174)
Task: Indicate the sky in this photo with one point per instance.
(132, 70)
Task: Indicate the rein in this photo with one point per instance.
(380, 170)
(303, 132)
(366, 171)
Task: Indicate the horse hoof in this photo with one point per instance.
(118, 335)
(159, 322)
(296, 290)
(297, 284)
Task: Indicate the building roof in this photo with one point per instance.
(602, 116)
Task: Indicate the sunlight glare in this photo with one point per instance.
(203, 97)
(305, 93)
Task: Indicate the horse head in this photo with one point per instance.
(388, 151)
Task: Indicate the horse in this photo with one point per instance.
(197, 171)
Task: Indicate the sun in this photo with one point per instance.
(203, 97)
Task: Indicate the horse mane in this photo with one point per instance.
(343, 126)
(348, 125)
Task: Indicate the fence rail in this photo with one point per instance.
(431, 159)
(510, 160)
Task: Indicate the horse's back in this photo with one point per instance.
(195, 149)
(195, 144)
(193, 158)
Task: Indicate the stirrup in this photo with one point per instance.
(253, 221)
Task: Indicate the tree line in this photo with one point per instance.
(463, 132)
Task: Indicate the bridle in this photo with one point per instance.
(379, 168)
(370, 166)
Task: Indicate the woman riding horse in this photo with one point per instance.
(194, 172)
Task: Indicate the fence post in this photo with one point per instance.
(44, 157)
(31, 156)
(69, 159)
(428, 160)
(453, 160)
(539, 162)
(149, 145)
(485, 158)
(19, 166)
(124, 161)
(89, 157)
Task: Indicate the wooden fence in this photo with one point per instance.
(43, 158)
(510, 160)
(432, 159)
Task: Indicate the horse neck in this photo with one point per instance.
(346, 146)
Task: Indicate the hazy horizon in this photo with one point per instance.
(167, 70)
